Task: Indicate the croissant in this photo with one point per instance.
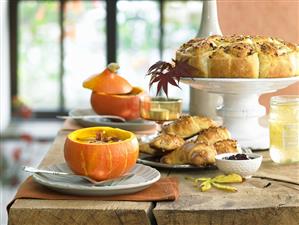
(145, 148)
(198, 154)
(213, 134)
(226, 146)
(188, 126)
(167, 142)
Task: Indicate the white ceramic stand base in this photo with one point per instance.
(241, 111)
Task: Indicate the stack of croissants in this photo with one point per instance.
(177, 143)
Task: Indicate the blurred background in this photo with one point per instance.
(49, 47)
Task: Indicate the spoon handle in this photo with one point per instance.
(94, 182)
(35, 170)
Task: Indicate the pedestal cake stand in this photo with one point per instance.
(241, 111)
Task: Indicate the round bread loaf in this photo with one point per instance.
(240, 56)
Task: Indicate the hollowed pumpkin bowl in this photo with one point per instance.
(124, 105)
(100, 161)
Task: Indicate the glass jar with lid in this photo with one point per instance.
(284, 128)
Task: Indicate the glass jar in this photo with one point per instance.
(160, 109)
(284, 128)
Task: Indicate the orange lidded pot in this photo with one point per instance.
(101, 152)
(113, 95)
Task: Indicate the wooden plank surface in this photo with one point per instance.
(254, 203)
(43, 212)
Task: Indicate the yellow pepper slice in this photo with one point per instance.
(231, 178)
(225, 187)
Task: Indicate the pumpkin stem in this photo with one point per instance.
(113, 67)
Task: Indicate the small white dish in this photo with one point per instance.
(144, 176)
(245, 168)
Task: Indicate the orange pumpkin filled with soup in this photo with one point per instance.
(101, 152)
(113, 95)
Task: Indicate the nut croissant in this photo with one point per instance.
(198, 154)
(220, 138)
(226, 146)
(188, 126)
(213, 134)
(167, 142)
(147, 149)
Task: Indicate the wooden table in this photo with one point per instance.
(254, 203)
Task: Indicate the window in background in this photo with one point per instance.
(84, 48)
(38, 54)
(177, 30)
(51, 66)
(138, 39)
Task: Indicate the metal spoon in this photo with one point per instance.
(94, 182)
(108, 117)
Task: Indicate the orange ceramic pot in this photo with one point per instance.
(124, 105)
(101, 161)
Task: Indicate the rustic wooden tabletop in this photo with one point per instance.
(256, 202)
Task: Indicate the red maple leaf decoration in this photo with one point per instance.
(164, 73)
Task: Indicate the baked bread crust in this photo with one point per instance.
(147, 149)
(240, 56)
(198, 154)
(188, 126)
(226, 146)
(196, 52)
(234, 61)
(213, 134)
(167, 142)
(275, 61)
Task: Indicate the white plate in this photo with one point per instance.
(144, 177)
(133, 125)
(154, 161)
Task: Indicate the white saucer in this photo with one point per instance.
(144, 177)
(132, 125)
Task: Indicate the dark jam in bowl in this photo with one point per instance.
(238, 157)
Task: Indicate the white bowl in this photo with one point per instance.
(245, 168)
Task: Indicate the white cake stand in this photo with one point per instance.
(241, 111)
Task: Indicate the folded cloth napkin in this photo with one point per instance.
(166, 189)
